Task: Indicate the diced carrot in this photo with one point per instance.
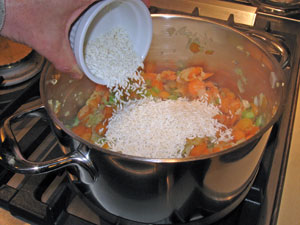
(94, 101)
(209, 52)
(200, 149)
(105, 145)
(195, 87)
(224, 107)
(254, 109)
(227, 119)
(108, 111)
(83, 131)
(168, 75)
(227, 93)
(230, 95)
(84, 112)
(233, 120)
(235, 105)
(238, 135)
(224, 91)
(244, 124)
(205, 76)
(216, 149)
(191, 73)
(194, 47)
(195, 72)
(100, 87)
(251, 132)
(105, 97)
(158, 84)
(211, 87)
(100, 128)
(150, 76)
(221, 118)
(164, 94)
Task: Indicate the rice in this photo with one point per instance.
(158, 128)
(112, 58)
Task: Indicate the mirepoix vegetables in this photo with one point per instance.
(243, 117)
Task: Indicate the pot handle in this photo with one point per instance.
(12, 158)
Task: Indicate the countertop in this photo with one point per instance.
(289, 212)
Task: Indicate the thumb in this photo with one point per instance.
(76, 72)
(65, 61)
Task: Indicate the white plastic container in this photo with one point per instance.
(132, 15)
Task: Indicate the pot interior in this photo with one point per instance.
(237, 62)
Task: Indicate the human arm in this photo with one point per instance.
(44, 26)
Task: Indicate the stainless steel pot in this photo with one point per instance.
(203, 188)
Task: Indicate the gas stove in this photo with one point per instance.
(49, 199)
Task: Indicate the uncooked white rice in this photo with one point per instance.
(158, 129)
(111, 57)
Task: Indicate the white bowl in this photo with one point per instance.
(132, 15)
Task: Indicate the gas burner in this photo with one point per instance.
(22, 70)
(278, 7)
(7, 94)
(16, 77)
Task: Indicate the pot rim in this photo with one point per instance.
(186, 159)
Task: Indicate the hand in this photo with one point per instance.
(44, 26)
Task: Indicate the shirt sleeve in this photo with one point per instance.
(2, 13)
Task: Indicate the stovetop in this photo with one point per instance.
(49, 199)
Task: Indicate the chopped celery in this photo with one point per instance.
(246, 104)
(249, 114)
(148, 93)
(255, 101)
(94, 119)
(195, 141)
(111, 99)
(148, 82)
(173, 97)
(217, 101)
(240, 86)
(174, 94)
(155, 90)
(76, 122)
(239, 71)
(97, 139)
(187, 149)
(210, 145)
(259, 121)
